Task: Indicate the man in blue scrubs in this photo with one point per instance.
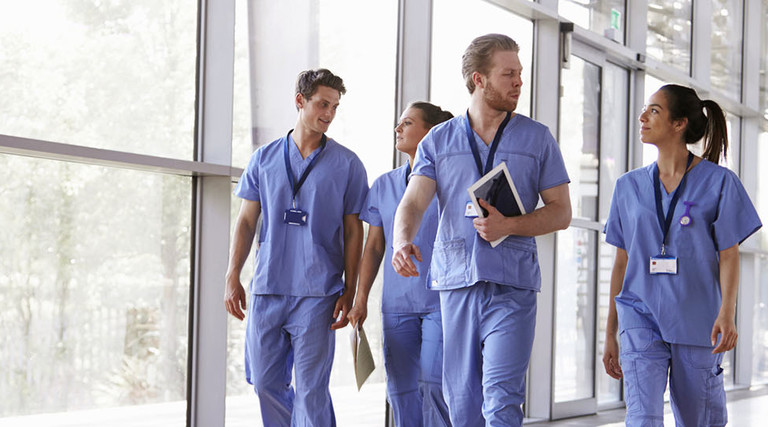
(487, 294)
(308, 190)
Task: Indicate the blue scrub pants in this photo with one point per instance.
(413, 357)
(285, 333)
(487, 333)
(696, 388)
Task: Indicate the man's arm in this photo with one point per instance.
(375, 247)
(245, 230)
(418, 195)
(353, 246)
(554, 215)
(729, 286)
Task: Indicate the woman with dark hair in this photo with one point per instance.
(413, 340)
(676, 272)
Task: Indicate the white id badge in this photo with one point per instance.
(663, 264)
(470, 211)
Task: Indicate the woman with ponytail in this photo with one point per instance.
(676, 225)
(410, 311)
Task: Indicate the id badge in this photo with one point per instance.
(663, 264)
(469, 210)
(295, 217)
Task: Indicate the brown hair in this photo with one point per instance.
(683, 102)
(308, 81)
(431, 113)
(478, 55)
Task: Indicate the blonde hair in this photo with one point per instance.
(478, 55)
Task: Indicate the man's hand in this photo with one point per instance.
(343, 304)
(726, 328)
(358, 314)
(402, 262)
(491, 227)
(611, 357)
(234, 297)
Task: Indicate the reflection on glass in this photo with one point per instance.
(605, 17)
(760, 324)
(116, 75)
(452, 32)
(727, 27)
(580, 134)
(669, 32)
(575, 327)
(94, 281)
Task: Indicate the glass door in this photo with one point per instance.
(593, 140)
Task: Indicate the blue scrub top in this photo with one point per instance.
(402, 294)
(461, 257)
(683, 306)
(302, 260)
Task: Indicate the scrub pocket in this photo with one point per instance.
(701, 359)
(449, 264)
(520, 264)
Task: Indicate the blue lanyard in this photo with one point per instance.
(666, 221)
(407, 174)
(494, 144)
(294, 185)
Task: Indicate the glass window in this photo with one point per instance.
(326, 35)
(652, 84)
(613, 163)
(761, 201)
(760, 324)
(727, 27)
(242, 140)
(604, 17)
(669, 33)
(452, 33)
(95, 287)
(764, 65)
(575, 315)
(115, 75)
(580, 134)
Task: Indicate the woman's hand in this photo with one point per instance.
(611, 357)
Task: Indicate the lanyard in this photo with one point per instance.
(294, 185)
(666, 221)
(494, 144)
(407, 174)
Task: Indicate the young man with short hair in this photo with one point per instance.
(308, 190)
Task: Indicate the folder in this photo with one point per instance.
(362, 356)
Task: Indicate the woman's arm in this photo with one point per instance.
(369, 267)
(611, 350)
(725, 325)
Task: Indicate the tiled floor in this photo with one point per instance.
(746, 408)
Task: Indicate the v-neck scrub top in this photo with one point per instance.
(683, 306)
(461, 258)
(306, 260)
(402, 294)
